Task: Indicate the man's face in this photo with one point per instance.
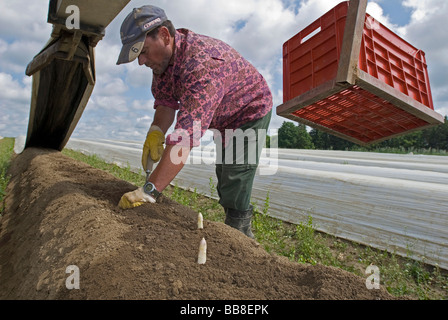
(156, 53)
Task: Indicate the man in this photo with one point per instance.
(210, 86)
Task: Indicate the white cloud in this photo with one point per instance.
(106, 54)
(24, 19)
(144, 123)
(138, 76)
(424, 9)
(143, 105)
(109, 85)
(15, 97)
(15, 56)
(108, 104)
(376, 11)
(14, 91)
(426, 32)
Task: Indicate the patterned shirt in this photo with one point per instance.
(212, 86)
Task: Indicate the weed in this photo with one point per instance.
(213, 190)
(213, 194)
(6, 151)
(309, 249)
(266, 204)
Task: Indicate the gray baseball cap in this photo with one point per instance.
(134, 29)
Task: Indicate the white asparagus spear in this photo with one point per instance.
(202, 256)
(200, 221)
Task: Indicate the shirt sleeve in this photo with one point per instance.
(202, 93)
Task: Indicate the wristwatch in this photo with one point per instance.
(150, 189)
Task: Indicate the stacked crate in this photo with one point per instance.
(349, 75)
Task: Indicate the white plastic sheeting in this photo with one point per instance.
(387, 201)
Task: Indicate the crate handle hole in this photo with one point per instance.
(312, 34)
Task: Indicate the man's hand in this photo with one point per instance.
(153, 146)
(134, 199)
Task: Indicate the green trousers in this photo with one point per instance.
(237, 163)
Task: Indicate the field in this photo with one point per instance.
(61, 212)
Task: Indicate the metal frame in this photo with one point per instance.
(64, 71)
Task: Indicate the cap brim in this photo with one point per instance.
(131, 51)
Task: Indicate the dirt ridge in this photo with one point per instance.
(60, 212)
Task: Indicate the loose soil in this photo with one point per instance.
(60, 212)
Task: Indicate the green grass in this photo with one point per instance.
(301, 243)
(6, 152)
(401, 276)
(125, 173)
(402, 150)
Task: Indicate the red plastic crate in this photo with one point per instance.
(365, 86)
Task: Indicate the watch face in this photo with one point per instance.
(148, 188)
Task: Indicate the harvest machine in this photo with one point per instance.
(64, 71)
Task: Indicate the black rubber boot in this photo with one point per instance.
(240, 220)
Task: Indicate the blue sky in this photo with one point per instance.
(121, 104)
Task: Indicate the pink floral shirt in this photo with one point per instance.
(212, 86)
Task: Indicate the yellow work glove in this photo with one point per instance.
(125, 203)
(134, 199)
(153, 146)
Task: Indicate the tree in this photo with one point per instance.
(320, 139)
(437, 137)
(291, 136)
(326, 141)
(268, 141)
(287, 135)
(304, 140)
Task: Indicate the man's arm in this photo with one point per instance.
(173, 160)
(164, 118)
(174, 156)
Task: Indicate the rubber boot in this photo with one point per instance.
(240, 220)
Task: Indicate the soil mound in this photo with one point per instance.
(60, 212)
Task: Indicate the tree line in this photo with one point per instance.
(294, 136)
